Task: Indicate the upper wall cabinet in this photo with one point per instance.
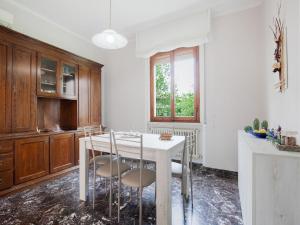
(56, 78)
(24, 100)
(95, 102)
(5, 87)
(47, 79)
(84, 96)
(89, 109)
(33, 73)
(69, 80)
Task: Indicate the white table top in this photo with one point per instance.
(150, 141)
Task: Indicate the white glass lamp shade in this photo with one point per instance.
(109, 39)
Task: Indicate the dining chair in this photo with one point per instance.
(103, 161)
(114, 169)
(135, 178)
(181, 169)
(98, 159)
(185, 166)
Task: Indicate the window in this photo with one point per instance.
(174, 86)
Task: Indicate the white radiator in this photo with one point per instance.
(180, 131)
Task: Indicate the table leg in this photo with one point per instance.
(163, 189)
(83, 170)
(185, 176)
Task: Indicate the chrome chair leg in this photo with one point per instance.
(130, 196)
(110, 197)
(94, 187)
(191, 182)
(141, 206)
(119, 199)
(155, 193)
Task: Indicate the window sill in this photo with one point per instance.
(176, 124)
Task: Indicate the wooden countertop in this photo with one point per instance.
(35, 134)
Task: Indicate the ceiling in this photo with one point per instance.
(87, 17)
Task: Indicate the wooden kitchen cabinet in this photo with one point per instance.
(89, 108)
(61, 152)
(31, 158)
(42, 88)
(84, 96)
(6, 179)
(6, 164)
(5, 86)
(24, 89)
(95, 98)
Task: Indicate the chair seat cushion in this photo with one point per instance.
(104, 170)
(132, 178)
(101, 159)
(176, 168)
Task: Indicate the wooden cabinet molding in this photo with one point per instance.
(12, 36)
(31, 158)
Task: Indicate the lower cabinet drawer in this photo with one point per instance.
(6, 146)
(6, 162)
(6, 179)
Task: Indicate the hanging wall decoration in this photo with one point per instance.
(280, 55)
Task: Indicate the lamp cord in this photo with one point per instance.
(109, 14)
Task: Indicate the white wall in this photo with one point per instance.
(125, 90)
(36, 26)
(233, 85)
(283, 108)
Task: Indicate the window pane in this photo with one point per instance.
(184, 78)
(162, 73)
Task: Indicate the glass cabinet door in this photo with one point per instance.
(47, 79)
(68, 80)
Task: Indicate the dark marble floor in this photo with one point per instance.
(216, 202)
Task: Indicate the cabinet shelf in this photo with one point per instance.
(48, 70)
(48, 91)
(47, 83)
(68, 74)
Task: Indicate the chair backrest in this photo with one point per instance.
(190, 144)
(91, 132)
(127, 139)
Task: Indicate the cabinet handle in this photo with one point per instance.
(1, 163)
(1, 181)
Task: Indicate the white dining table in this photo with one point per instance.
(154, 149)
